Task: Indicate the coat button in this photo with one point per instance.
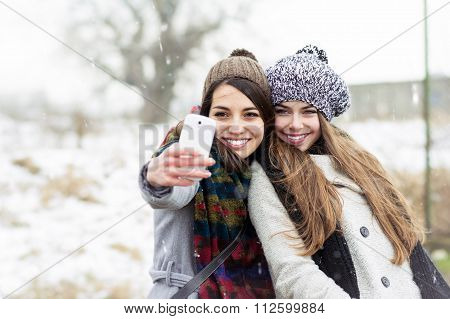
(364, 231)
(385, 282)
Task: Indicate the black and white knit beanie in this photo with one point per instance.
(306, 76)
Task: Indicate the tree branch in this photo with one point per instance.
(137, 36)
(166, 9)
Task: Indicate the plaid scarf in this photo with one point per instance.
(220, 212)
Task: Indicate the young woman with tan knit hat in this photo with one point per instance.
(196, 221)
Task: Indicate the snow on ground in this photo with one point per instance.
(55, 197)
(399, 145)
(75, 195)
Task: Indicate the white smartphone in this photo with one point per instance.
(198, 134)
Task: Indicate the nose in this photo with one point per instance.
(296, 123)
(236, 126)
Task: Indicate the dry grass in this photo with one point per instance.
(32, 253)
(68, 185)
(120, 291)
(37, 290)
(440, 117)
(66, 289)
(27, 163)
(412, 186)
(7, 218)
(134, 253)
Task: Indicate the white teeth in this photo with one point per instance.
(296, 137)
(237, 142)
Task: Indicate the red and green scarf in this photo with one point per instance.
(220, 213)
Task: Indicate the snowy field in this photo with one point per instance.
(57, 199)
(399, 145)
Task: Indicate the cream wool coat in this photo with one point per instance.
(297, 276)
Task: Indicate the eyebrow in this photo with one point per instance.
(288, 107)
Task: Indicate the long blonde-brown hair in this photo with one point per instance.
(319, 202)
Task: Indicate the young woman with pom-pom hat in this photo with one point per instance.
(330, 220)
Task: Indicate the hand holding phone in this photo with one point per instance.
(197, 135)
(185, 162)
(174, 167)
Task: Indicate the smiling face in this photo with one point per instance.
(240, 126)
(297, 123)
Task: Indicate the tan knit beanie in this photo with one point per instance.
(240, 64)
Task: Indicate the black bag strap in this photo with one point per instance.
(203, 274)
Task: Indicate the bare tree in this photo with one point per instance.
(128, 36)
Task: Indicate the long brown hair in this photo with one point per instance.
(319, 202)
(232, 161)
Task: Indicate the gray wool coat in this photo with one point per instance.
(173, 259)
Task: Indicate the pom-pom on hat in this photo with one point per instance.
(240, 64)
(307, 77)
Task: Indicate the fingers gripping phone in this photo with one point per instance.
(198, 134)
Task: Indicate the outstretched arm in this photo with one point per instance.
(170, 180)
(165, 197)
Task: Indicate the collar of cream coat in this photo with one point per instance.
(336, 178)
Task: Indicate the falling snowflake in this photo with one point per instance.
(164, 246)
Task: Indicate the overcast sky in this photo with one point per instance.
(347, 30)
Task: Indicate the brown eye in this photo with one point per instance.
(220, 114)
(281, 111)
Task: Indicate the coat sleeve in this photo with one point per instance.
(172, 198)
(293, 276)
